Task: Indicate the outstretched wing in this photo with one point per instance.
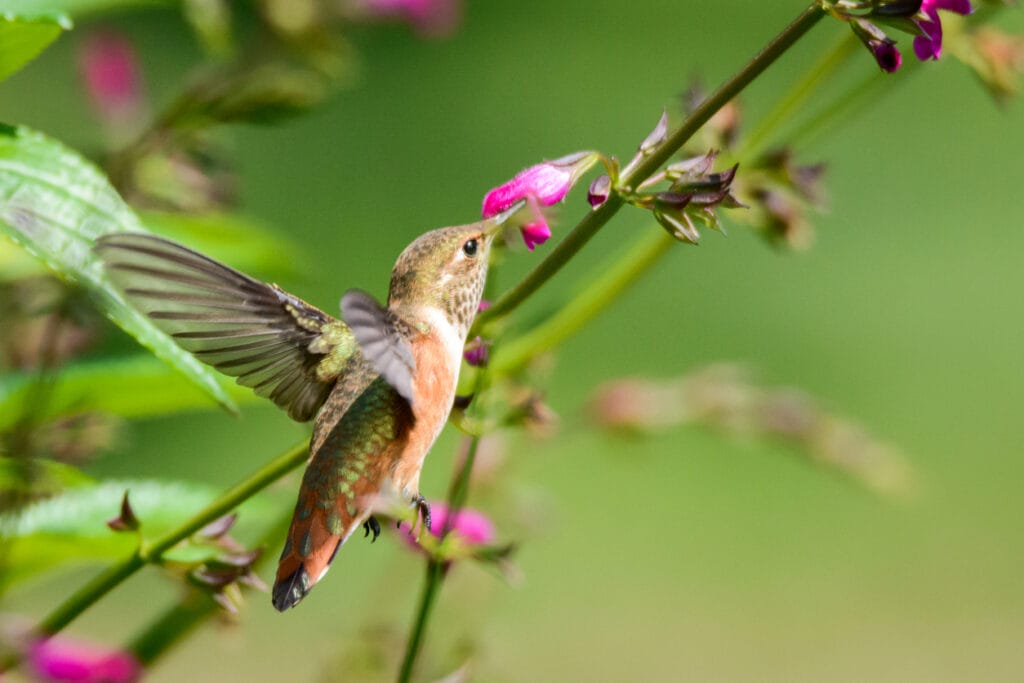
(382, 338)
(285, 349)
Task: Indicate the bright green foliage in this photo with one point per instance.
(55, 204)
(58, 9)
(71, 528)
(133, 387)
(21, 40)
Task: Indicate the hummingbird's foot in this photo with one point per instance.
(371, 525)
(423, 508)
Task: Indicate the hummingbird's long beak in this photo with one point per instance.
(498, 222)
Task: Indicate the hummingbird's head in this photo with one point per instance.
(445, 269)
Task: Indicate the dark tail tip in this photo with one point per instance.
(291, 589)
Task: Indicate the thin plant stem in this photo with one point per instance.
(114, 575)
(596, 219)
(799, 94)
(457, 494)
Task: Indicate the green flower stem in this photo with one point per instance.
(597, 218)
(457, 494)
(785, 109)
(111, 577)
(514, 354)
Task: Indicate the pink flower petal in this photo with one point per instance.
(535, 233)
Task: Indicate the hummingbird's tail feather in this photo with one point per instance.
(313, 540)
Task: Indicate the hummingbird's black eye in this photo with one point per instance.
(470, 247)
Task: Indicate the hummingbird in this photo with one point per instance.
(380, 380)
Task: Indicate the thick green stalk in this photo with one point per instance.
(596, 219)
(111, 577)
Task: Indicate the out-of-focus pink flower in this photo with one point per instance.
(430, 18)
(60, 660)
(110, 69)
(473, 527)
(484, 305)
(478, 352)
(929, 46)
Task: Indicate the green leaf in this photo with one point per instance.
(71, 528)
(55, 204)
(54, 475)
(133, 387)
(56, 9)
(21, 40)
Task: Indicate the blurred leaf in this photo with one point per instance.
(138, 386)
(58, 9)
(21, 40)
(71, 528)
(16, 264)
(242, 242)
(55, 204)
(262, 94)
(56, 475)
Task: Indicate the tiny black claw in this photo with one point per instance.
(424, 509)
(374, 526)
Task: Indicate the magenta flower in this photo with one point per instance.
(60, 660)
(109, 67)
(541, 185)
(478, 352)
(929, 46)
(471, 526)
(548, 183)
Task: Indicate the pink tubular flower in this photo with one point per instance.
(929, 46)
(60, 660)
(542, 185)
(109, 67)
(548, 183)
(471, 526)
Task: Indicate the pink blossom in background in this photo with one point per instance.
(429, 18)
(478, 354)
(110, 70)
(929, 46)
(61, 660)
(473, 527)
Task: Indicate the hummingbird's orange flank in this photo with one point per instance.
(380, 381)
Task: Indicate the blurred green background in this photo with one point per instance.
(683, 556)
